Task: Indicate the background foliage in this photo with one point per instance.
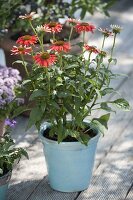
(49, 10)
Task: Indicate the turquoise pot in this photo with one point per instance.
(4, 182)
(69, 164)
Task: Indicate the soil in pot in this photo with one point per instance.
(86, 131)
(5, 171)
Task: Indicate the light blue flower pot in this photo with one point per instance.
(4, 182)
(69, 164)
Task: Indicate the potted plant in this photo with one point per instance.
(9, 155)
(9, 81)
(66, 89)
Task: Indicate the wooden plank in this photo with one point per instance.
(130, 194)
(117, 125)
(44, 191)
(20, 135)
(28, 174)
(115, 174)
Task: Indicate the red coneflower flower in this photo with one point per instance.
(105, 32)
(21, 50)
(53, 27)
(83, 26)
(44, 59)
(29, 16)
(72, 21)
(91, 49)
(27, 40)
(60, 46)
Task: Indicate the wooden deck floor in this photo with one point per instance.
(113, 171)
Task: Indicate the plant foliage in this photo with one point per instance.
(9, 154)
(63, 84)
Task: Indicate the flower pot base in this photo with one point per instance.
(69, 191)
(69, 164)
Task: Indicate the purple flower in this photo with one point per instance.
(9, 79)
(1, 82)
(11, 123)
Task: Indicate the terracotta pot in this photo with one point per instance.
(2, 127)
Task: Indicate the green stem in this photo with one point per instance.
(94, 101)
(98, 68)
(83, 36)
(54, 37)
(70, 34)
(103, 42)
(47, 73)
(26, 70)
(112, 50)
(64, 118)
(24, 64)
(61, 61)
(89, 56)
(111, 55)
(42, 46)
(113, 45)
(34, 30)
(87, 63)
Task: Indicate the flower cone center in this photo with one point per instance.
(59, 43)
(20, 48)
(45, 56)
(27, 37)
(52, 24)
(84, 24)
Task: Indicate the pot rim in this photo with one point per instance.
(5, 178)
(46, 125)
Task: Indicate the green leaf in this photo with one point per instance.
(55, 105)
(83, 13)
(72, 133)
(1, 171)
(84, 139)
(104, 106)
(107, 91)
(64, 94)
(37, 93)
(122, 104)
(20, 110)
(35, 116)
(114, 60)
(20, 62)
(109, 4)
(26, 81)
(61, 134)
(69, 108)
(24, 153)
(100, 123)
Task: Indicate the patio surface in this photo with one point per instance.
(113, 172)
